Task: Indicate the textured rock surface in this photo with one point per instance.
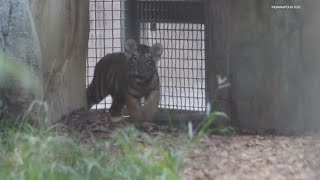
(20, 44)
(50, 38)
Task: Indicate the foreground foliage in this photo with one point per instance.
(38, 153)
(129, 154)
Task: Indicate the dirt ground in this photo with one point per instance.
(237, 156)
(254, 157)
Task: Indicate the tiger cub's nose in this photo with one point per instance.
(141, 70)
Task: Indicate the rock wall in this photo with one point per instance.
(50, 38)
(21, 53)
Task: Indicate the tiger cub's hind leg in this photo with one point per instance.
(95, 94)
(118, 102)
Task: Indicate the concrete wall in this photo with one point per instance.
(50, 38)
(266, 64)
(218, 56)
(311, 64)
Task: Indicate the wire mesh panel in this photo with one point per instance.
(179, 27)
(107, 34)
(182, 67)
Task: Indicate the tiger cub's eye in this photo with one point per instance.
(149, 63)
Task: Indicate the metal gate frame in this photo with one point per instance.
(196, 13)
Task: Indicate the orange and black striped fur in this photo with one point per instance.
(110, 78)
(128, 77)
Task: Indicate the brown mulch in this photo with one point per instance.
(254, 157)
(88, 124)
(236, 156)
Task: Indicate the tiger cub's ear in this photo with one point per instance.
(130, 46)
(156, 51)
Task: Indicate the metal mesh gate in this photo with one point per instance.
(178, 26)
(182, 68)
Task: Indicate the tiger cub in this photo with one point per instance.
(128, 77)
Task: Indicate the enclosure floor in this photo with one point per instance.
(236, 156)
(254, 157)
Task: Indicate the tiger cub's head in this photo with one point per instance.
(142, 60)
